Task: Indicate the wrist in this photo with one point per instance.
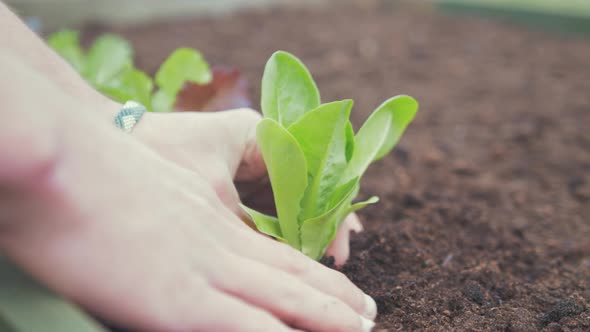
(28, 150)
(26, 162)
(34, 158)
(41, 129)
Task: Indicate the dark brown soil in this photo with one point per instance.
(484, 220)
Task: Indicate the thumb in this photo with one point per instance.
(243, 156)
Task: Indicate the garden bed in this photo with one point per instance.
(484, 223)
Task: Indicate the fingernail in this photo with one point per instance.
(366, 324)
(370, 307)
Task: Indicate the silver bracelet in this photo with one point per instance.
(129, 115)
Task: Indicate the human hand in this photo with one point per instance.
(154, 245)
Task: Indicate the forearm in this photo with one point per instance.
(39, 124)
(27, 131)
(17, 40)
(46, 111)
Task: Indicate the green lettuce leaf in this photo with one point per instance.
(162, 101)
(132, 84)
(288, 90)
(342, 191)
(380, 133)
(322, 137)
(108, 67)
(266, 224)
(108, 57)
(361, 205)
(184, 65)
(67, 44)
(349, 141)
(313, 156)
(402, 108)
(317, 233)
(287, 170)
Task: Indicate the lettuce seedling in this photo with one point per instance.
(108, 66)
(314, 158)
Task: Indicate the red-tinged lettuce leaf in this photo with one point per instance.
(227, 90)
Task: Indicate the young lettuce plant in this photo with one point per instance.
(108, 66)
(314, 158)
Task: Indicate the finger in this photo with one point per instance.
(290, 299)
(340, 248)
(184, 301)
(354, 222)
(322, 278)
(228, 313)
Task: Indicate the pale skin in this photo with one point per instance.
(142, 230)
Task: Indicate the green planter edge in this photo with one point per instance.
(573, 23)
(27, 306)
